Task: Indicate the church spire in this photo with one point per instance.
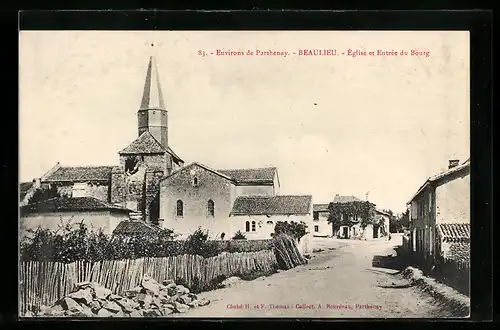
(152, 97)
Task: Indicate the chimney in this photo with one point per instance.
(453, 163)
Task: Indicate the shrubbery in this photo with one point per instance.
(294, 229)
(74, 244)
(239, 235)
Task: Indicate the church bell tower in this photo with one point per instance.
(152, 114)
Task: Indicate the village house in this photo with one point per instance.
(56, 212)
(350, 226)
(321, 227)
(440, 214)
(152, 184)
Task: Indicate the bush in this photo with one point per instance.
(293, 229)
(239, 235)
(68, 244)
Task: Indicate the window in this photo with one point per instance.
(180, 208)
(195, 182)
(142, 158)
(270, 223)
(247, 226)
(315, 215)
(253, 225)
(211, 209)
(316, 228)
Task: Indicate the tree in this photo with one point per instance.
(404, 220)
(294, 229)
(44, 193)
(364, 211)
(239, 235)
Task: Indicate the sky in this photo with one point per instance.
(331, 124)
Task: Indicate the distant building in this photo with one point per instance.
(320, 225)
(350, 226)
(440, 214)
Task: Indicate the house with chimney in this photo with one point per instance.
(440, 214)
(153, 187)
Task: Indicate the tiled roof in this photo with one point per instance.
(81, 173)
(454, 232)
(131, 227)
(251, 174)
(320, 207)
(269, 205)
(345, 199)
(68, 204)
(147, 144)
(144, 144)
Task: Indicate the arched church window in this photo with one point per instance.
(253, 225)
(180, 208)
(211, 208)
(247, 226)
(195, 182)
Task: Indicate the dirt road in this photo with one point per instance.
(338, 282)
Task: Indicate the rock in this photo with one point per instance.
(181, 289)
(168, 283)
(82, 296)
(156, 301)
(29, 314)
(170, 305)
(230, 281)
(203, 302)
(115, 297)
(95, 306)
(118, 314)
(144, 299)
(150, 285)
(70, 304)
(166, 311)
(112, 307)
(127, 305)
(87, 311)
(184, 299)
(132, 293)
(152, 313)
(194, 304)
(181, 308)
(166, 299)
(83, 286)
(101, 292)
(192, 296)
(103, 312)
(172, 291)
(136, 313)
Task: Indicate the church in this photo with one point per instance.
(153, 187)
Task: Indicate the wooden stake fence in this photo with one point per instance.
(43, 283)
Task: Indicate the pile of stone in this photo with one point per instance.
(149, 299)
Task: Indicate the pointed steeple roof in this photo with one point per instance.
(152, 97)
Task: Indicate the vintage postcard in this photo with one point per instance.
(262, 174)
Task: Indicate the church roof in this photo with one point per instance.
(80, 173)
(272, 205)
(152, 97)
(147, 144)
(144, 144)
(249, 175)
(71, 204)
